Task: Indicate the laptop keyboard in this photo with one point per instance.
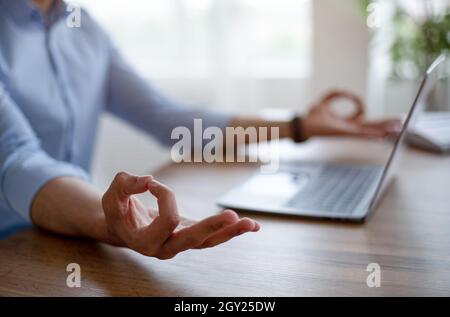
(336, 189)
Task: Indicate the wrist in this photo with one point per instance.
(299, 133)
(100, 232)
(96, 228)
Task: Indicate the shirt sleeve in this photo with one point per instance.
(133, 99)
(24, 166)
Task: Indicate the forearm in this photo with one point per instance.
(284, 127)
(71, 207)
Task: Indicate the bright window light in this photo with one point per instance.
(205, 38)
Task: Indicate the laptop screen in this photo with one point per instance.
(426, 87)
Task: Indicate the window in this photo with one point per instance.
(211, 38)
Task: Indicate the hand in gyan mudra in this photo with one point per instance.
(163, 233)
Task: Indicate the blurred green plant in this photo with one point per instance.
(418, 40)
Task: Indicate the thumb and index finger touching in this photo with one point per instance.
(160, 229)
(334, 95)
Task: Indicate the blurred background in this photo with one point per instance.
(249, 56)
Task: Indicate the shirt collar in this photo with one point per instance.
(23, 11)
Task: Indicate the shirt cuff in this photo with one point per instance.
(24, 178)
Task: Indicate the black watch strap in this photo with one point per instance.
(296, 126)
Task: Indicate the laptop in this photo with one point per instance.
(332, 191)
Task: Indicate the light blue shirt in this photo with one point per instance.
(55, 81)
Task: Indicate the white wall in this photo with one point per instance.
(341, 43)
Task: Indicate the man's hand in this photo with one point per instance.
(162, 233)
(323, 121)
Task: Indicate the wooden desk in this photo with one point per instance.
(408, 236)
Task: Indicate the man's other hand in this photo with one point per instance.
(322, 120)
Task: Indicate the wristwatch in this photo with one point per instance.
(297, 130)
